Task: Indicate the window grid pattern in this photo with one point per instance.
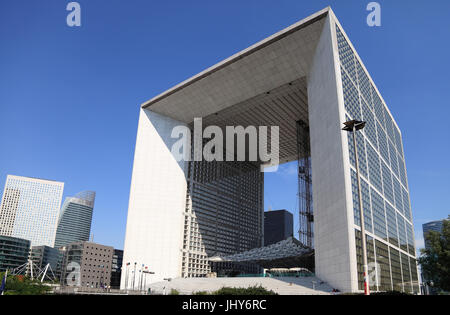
(379, 218)
(410, 239)
(402, 233)
(351, 97)
(387, 183)
(389, 125)
(360, 142)
(398, 195)
(406, 206)
(392, 225)
(359, 259)
(406, 272)
(364, 85)
(396, 268)
(374, 168)
(398, 143)
(414, 276)
(366, 203)
(347, 55)
(393, 156)
(382, 162)
(402, 171)
(30, 209)
(370, 130)
(382, 258)
(382, 140)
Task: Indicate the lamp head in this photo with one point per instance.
(354, 124)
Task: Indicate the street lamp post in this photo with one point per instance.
(134, 275)
(126, 276)
(146, 272)
(353, 126)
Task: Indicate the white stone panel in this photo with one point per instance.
(333, 217)
(157, 201)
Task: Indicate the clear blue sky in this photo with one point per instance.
(69, 97)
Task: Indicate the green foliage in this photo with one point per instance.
(174, 292)
(201, 293)
(435, 261)
(255, 290)
(16, 285)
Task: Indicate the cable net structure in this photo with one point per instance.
(306, 215)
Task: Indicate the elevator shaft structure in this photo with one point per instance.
(306, 216)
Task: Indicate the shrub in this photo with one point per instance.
(174, 292)
(255, 290)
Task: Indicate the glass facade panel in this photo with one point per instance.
(382, 140)
(397, 280)
(360, 142)
(410, 238)
(402, 171)
(402, 233)
(414, 276)
(398, 195)
(364, 84)
(406, 272)
(379, 218)
(387, 183)
(374, 168)
(351, 97)
(392, 225)
(370, 129)
(366, 202)
(393, 156)
(389, 125)
(398, 142)
(406, 206)
(346, 54)
(378, 107)
(370, 261)
(384, 268)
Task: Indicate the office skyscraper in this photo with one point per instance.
(74, 223)
(307, 80)
(435, 226)
(30, 208)
(278, 226)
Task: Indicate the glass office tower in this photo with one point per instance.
(30, 208)
(74, 224)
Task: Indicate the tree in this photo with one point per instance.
(435, 260)
(20, 285)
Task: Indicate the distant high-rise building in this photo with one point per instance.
(431, 226)
(116, 269)
(13, 252)
(43, 255)
(278, 226)
(30, 208)
(74, 224)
